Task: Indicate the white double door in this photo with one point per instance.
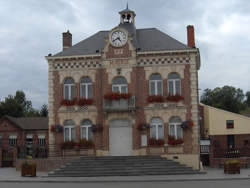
(120, 138)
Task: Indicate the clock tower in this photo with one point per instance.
(127, 16)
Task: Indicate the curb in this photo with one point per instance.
(122, 181)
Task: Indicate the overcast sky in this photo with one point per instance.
(30, 30)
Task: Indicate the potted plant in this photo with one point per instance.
(28, 168)
(56, 128)
(187, 124)
(232, 167)
(156, 142)
(174, 98)
(67, 102)
(143, 126)
(155, 98)
(85, 102)
(174, 142)
(97, 128)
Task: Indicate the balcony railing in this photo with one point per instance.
(119, 105)
(232, 153)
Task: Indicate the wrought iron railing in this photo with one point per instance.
(231, 153)
(34, 152)
(119, 105)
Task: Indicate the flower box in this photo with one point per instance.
(28, 168)
(174, 98)
(232, 167)
(67, 102)
(155, 142)
(68, 145)
(117, 96)
(85, 102)
(187, 124)
(84, 143)
(155, 98)
(56, 128)
(174, 142)
(143, 126)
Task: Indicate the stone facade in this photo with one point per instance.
(136, 67)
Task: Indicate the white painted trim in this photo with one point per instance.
(174, 85)
(156, 87)
(175, 124)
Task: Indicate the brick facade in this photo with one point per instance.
(136, 68)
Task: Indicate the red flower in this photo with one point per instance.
(67, 102)
(175, 98)
(85, 102)
(173, 141)
(155, 142)
(117, 96)
(155, 98)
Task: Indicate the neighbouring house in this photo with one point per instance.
(22, 137)
(125, 91)
(224, 135)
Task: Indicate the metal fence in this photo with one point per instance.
(231, 153)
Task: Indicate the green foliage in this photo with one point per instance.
(19, 106)
(44, 111)
(226, 98)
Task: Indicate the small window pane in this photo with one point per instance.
(179, 131)
(124, 89)
(152, 88)
(115, 89)
(159, 88)
(119, 80)
(173, 76)
(66, 134)
(170, 88)
(84, 131)
(155, 77)
(90, 134)
(89, 92)
(172, 130)
(73, 134)
(153, 131)
(178, 87)
(160, 132)
(72, 92)
(66, 92)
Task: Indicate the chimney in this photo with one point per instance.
(67, 40)
(190, 36)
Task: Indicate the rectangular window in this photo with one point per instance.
(84, 132)
(41, 140)
(160, 132)
(175, 130)
(152, 88)
(72, 94)
(12, 140)
(230, 124)
(178, 87)
(66, 92)
(152, 131)
(89, 92)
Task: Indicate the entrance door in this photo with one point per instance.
(230, 141)
(7, 158)
(120, 138)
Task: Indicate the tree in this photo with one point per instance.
(248, 98)
(44, 111)
(11, 107)
(227, 98)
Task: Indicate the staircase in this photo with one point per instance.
(121, 166)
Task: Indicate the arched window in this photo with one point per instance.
(86, 131)
(156, 129)
(175, 129)
(69, 130)
(119, 84)
(69, 89)
(174, 84)
(155, 84)
(86, 90)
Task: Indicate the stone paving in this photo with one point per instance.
(11, 175)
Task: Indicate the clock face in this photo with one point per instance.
(118, 38)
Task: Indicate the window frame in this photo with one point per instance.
(175, 125)
(86, 84)
(119, 86)
(70, 127)
(69, 85)
(88, 128)
(156, 124)
(12, 140)
(155, 85)
(174, 81)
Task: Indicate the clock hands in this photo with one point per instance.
(116, 39)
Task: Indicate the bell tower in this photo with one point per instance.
(127, 16)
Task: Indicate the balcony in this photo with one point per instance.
(121, 105)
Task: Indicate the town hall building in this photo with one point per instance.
(125, 92)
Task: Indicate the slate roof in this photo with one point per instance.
(149, 39)
(30, 123)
